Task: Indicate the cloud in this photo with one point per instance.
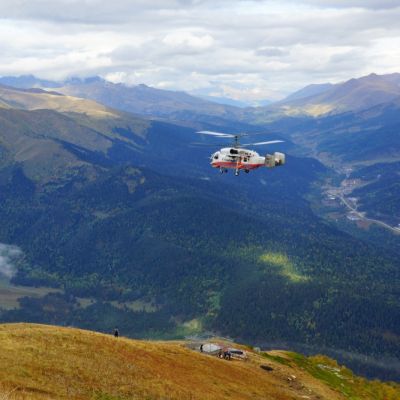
(371, 4)
(270, 52)
(188, 41)
(265, 46)
(9, 255)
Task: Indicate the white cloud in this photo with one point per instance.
(187, 40)
(372, 4)
(247, 49)
(8, 257)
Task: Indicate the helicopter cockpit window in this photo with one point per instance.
(234, 151)
(216, 157)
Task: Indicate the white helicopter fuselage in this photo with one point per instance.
(237, 159)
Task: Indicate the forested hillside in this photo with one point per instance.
(134, 237)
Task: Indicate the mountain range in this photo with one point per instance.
(119, 213)
(139, 99)
(313, 100)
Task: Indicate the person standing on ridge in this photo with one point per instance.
(116, 332)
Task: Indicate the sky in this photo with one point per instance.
(245, 50)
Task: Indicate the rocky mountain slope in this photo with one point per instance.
(62, 363)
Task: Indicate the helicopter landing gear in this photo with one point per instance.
(223, 170)
(247, 171)
(237, 172)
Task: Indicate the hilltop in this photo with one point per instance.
(43, 362)
(38, 99)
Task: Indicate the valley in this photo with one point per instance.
(336, 196)
(128, 226)
(358, 137)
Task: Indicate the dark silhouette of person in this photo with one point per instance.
(116, 332)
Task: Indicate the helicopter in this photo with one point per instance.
(238, 158)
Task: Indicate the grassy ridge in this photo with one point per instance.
(43, 362)
(338, 377)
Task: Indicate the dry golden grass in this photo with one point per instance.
(47, 100)
(45, 362)
(314, 110)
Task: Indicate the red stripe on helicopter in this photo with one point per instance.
(230, 164)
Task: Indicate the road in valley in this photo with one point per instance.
(363, 217)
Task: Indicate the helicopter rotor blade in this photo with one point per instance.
(202, 145)
(261, 133)
(224, 134)
(219, 134)
(263, 143)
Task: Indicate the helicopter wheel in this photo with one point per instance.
(221, 171)
(236, 173)
(247, 171)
